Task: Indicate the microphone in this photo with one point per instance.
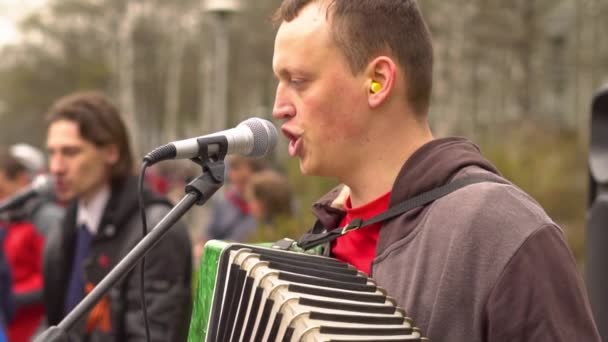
(42, 185)
(253, 137)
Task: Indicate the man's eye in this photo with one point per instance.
(297, 82)
(71, 151)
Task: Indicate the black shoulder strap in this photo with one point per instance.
(310, 240)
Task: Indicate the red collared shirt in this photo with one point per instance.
(358, 247)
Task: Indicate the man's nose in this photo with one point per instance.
(56, 165)
(283, 107)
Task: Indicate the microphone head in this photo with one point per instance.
(43, 185)
(264, 136)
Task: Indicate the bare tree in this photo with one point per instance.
(126, 70)
(179, 35)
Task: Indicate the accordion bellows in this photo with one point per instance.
(251, 293)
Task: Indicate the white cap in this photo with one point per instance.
(29, 156)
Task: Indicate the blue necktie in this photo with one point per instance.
(76, 284)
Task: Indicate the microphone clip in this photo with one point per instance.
(212, 162)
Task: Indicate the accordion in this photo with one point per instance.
(252, 293)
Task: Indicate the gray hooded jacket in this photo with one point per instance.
(484, 263)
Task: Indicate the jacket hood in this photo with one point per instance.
(435, 164)
(432, 165)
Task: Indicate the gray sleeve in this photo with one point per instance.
(229, 223)
(167, 283)
(540, 296)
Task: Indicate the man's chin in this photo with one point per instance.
(64, 197)
(303, 169)
(308, 170)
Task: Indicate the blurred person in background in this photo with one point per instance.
(90, 158)
(25, 227)
(176, 176)
(30, 157)
(156, 180)
(170, 179)
(270, 201)
(43, 211)
(231, 219)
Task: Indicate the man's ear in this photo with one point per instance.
(381, 74)
(111, 154)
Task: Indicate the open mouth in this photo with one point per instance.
(295, 146)
(295, 143)
(60, 186)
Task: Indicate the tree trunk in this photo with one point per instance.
(126, 73)
(173, 88)
(205, 81)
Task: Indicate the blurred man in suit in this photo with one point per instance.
(90, 158)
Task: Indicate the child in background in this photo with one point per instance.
(269, 197)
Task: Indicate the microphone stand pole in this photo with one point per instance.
(197, 192)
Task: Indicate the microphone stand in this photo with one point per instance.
(197, 192)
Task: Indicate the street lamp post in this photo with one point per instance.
(220, 11)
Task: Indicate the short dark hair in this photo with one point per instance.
(363, 29)
(99, 122)
(273, 191)
(10, 165)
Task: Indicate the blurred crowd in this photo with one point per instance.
(57, 246)
(23, 230)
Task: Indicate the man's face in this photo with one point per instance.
(322, 103)
(8, 186)
(80, 167)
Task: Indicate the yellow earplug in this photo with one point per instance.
(375, 87)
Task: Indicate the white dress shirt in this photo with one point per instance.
(90, 213)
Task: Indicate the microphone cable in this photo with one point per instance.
(142, 211)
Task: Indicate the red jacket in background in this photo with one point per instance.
(23, 247)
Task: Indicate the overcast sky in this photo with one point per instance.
(10, 12)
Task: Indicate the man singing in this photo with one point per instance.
(482, 263)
